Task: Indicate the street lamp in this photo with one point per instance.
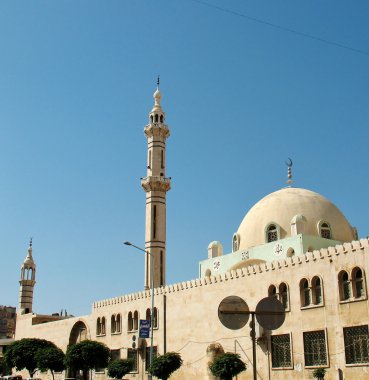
(152, 297)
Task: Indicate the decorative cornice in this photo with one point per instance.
(330, 253)
(155, 183)
(156, 129)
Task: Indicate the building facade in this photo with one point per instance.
(294, 245)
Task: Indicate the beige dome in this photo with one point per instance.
(289, 206)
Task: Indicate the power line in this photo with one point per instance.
(280, 27)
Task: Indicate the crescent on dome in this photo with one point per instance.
(289, 162)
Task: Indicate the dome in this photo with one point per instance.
(290, 207)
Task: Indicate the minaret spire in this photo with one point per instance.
(156, 185)
(289, 172)
(27, 282)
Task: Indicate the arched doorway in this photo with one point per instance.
(78, 334)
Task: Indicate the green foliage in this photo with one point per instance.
(319, 373)
(164, 365)
(227, 365)
(50, 358)
(119, 368)
(22, 354)
(87, 355)
(4, 370)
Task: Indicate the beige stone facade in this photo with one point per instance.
(323, 291)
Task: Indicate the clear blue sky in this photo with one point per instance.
(76, 85)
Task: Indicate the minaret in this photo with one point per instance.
(156, 186)
(27, 283)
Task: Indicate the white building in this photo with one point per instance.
(294, 244)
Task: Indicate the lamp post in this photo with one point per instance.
(152, 298)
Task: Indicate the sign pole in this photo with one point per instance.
(253, 337)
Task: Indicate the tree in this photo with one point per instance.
(164, 365)
(319, 373)
(119, 368)
(227, 365)
(87, 355)
(4, 370)
(50, 358)
(22, 354)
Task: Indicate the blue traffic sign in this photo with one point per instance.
(144, 331)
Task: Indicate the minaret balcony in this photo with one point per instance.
(156, 129)
(155, 183)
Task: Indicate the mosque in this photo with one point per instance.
(294, 245)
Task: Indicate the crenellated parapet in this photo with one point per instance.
(331, 253)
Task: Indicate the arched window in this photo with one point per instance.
(156, 118)
(118, 320)
(103, 326)
(98, 326)
(135, 320)
(272, 233)
(325, 230)
(151, 119)
(344, 286)
(283, 295)
(235, 242)
(148, 314)
(272, 291)
(113, 324)
(316, 287)
(155, 317)
(358, 283)
(305, 293)
(161, 118)
(130, 321)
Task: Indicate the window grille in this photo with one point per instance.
(272, 233)
(356, 344)
(133, 355)
(281, 351)
(325, 231)
(315, 349)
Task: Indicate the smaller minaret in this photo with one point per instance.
(27, 283)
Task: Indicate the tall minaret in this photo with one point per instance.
(156, 186)
(27, 283)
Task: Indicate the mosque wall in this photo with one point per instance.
(188, 316)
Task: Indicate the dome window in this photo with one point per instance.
(235, 242)
(272, 233)
(325, 230)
